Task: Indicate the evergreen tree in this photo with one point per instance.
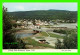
(9, 40)
(69, 42)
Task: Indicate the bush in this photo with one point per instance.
(68, 42)
(60, 31)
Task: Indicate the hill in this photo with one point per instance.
(45, 15)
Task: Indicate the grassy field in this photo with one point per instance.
(51, 35)
(35, 43)
(54, 35)
(40, 37)
(44, 34)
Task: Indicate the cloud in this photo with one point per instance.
(20, 7)
(40, 6)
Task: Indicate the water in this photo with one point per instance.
(68, 25)
(19, 35)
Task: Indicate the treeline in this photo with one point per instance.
(45, 15)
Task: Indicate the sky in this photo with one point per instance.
(40, 6)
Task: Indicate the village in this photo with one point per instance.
(38, 23)
(41, 31)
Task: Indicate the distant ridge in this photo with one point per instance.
(43, 10)
(57, 10)
(50, 14)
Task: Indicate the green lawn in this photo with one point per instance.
(54, 35)
(48, 26)
(44, 34)
(51, 35)
(40, 37)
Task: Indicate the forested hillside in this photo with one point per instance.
(45, 15)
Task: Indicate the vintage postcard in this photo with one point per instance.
(40, 27)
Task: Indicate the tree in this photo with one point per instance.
(7, 26)
(34, 22)
(58, 44)
(69, 42)
(9, 39)
(6, 21)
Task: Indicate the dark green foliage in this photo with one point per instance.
(21, 44)
(19, 24)
(16, 43)
(58, 44)
(60, 31)
(46, 15)
(6, 22)
(7, 35)
(9, 40)
(68, 42)
(15, 25)
(34, 22)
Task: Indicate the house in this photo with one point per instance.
(18, 22)
(30, 23)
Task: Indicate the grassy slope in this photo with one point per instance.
(44, 34)
(51, 35)
(54, 35)
(35, 43)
